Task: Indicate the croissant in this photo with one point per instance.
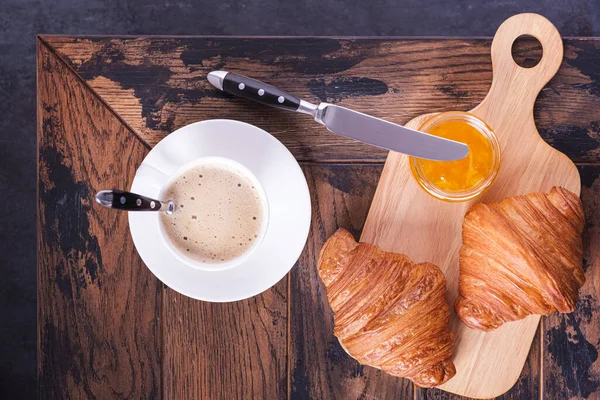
(389, 312)
(520, 256)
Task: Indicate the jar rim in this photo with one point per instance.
(478, 189)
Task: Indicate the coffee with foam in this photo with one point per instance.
(219, 214)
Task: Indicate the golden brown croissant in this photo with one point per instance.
(519, 257)
(389, 312)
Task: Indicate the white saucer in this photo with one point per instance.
(284, 185)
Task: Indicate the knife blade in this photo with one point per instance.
(343, 121)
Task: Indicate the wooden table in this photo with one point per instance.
(109, 329)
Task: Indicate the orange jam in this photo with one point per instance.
(463, 179)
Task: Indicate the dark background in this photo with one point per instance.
(21, 20)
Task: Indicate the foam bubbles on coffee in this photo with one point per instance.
(218, 214)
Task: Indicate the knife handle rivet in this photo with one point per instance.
(138, 202)
(241, 86)
(261, 92)
(280, 99)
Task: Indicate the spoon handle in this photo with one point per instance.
(127, 201)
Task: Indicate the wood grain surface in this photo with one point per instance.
(81, 145)
(226, 351)
(159, 84)
(571, 368)
(280, 344)
(528, 386)
(99, 307)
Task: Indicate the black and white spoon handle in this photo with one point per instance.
(127, 201)
(260, 92)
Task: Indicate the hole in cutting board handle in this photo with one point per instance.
(527, 51)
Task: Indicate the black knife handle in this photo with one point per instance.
(251, 89)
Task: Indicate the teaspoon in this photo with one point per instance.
(127, 201)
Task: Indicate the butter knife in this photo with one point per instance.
(343, 121)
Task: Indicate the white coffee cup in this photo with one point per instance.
(287, 207)
(261, 233)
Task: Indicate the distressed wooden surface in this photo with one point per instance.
(99, 307)
(279, 344)
(226, 350)
(159, 84)
(571, 341)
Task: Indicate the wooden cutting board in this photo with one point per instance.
(403, 218)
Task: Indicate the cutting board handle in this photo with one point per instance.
(515, 88)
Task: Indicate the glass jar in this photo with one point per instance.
(465, 179)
